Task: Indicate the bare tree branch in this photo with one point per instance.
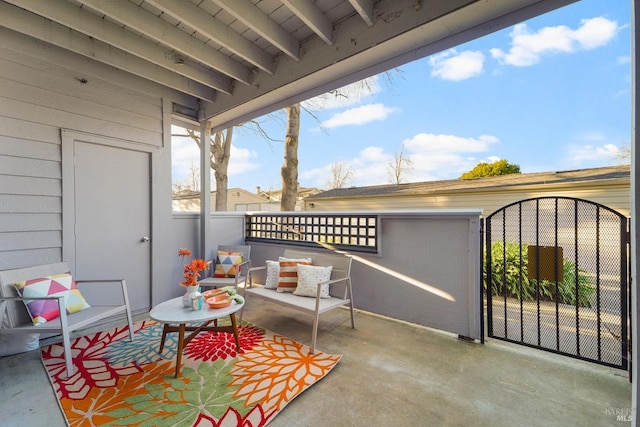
(624, 154)
(255, 126)
(398, 166)
(341, 175)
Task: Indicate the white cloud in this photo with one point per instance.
(527, 48)
(446, 156)
(592, 136)
(623, 60)
(621, 92)
(451, 65)
(185, 155)
(359, 115)
(318, 176)
(373, 154)
(242, 160)
(430, 143)
(587, 155)
(434, 157)
(346, 96)
(595, 32)
(368, 168)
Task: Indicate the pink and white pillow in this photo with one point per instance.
(56, 285)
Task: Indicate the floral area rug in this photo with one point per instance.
(125, 383)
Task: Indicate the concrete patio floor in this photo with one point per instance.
(393, 374)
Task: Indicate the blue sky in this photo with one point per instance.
(553, 93)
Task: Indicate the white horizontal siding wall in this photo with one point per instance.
(30, 193)
(38, 98)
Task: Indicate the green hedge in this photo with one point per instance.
(514, 260)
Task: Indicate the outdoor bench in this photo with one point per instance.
(339, 284)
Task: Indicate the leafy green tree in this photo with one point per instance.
(499, 167)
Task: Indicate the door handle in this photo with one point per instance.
(144, 239)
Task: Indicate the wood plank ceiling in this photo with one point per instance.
(237, 59)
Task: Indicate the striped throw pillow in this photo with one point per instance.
(288, 280)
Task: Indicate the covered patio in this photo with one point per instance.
(91, 89)
(396, 374)
(393, 372)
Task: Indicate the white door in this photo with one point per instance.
(111, 208)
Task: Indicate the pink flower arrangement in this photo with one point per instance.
(192, 270)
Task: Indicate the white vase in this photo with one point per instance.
(191, 291)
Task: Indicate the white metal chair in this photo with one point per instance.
(15, 319)
(242, 269)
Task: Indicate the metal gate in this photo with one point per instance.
(556, 278)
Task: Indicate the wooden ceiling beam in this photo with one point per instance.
(313, 17)
(138, 19)
(365, 10)
(258, 21)
(37, 27)
(209, 26)
(92, 25)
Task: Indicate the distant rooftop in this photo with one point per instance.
(622, 172)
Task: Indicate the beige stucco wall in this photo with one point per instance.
(614, 195)
(237, 200)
